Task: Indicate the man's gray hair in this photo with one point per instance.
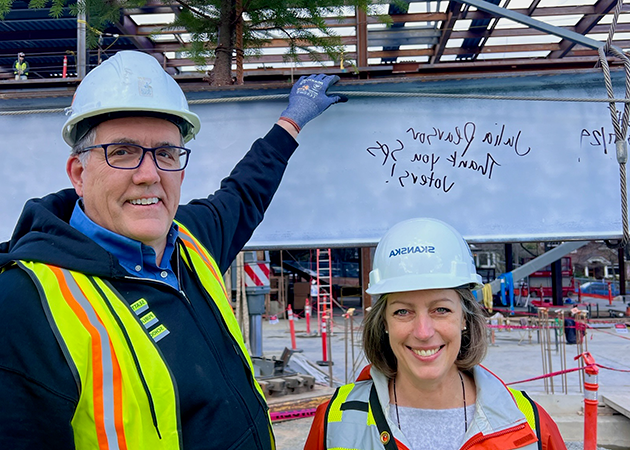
(83, 143)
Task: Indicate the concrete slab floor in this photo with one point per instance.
(515, 356)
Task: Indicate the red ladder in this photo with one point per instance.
(324, 286)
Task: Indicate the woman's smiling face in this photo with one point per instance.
(425, 330)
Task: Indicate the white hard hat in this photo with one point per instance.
(420, 254)
(130, 83)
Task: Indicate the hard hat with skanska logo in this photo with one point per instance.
(420, 254)
(130, 83)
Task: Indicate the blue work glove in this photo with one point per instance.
(308, 99)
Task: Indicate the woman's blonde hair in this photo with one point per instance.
(474, 342)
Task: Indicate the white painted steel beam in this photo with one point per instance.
(533, 23)
(541, 261)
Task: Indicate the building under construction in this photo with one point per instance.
(507, 120)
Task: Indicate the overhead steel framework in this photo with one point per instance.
(419, 37)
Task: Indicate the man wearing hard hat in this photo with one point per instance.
(116, 329)
(20, 67)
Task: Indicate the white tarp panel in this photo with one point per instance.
(497, 170)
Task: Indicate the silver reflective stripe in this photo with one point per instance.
(106, 360)
(590, 395)
(591, 379)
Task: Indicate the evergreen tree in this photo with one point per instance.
(224, 29)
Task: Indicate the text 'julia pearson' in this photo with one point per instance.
(403, 158)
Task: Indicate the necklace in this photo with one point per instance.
(463, 394)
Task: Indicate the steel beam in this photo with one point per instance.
(81, 46)
(453, 14)
(533, 23)
(395, 37)
(538, 263)
(362, 37)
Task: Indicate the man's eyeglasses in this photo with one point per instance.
(130, 156)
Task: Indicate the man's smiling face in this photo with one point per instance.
(139, 203)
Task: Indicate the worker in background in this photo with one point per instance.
(20, 67)
(425, 337)
(116, 329)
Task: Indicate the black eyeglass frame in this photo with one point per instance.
(145, 150)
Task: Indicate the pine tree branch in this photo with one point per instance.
(194, 11)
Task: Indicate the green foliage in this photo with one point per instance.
(5, 7)
(56, 6)
(303, 24)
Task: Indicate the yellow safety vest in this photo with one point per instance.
(17, 67)
(127, 397)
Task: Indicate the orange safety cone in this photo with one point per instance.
(591, 386)
(291, 328)
(610, 298)
(324, 361)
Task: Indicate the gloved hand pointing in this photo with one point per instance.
(308, 99)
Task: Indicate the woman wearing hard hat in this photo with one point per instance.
(425, 337)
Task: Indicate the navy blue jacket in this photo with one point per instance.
(218, 405)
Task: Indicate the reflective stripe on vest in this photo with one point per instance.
(355, 420)
(212, 281)
(127, 397)
(529, 409)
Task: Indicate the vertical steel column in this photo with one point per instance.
(556, 282)
(362, 37)
(509, 258)
(81, 45)
(366, 266)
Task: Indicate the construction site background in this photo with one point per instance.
(515, 353)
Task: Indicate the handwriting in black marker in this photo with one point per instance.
(497, 140)
(402, 177)
(599, 138)
(387, 153)
(439, 183)
(456, 137)
(426, 159)
(484, 168)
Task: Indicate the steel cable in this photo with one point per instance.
(621, 129)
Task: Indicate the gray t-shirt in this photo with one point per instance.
(433, 429)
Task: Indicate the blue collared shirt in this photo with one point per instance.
(137, 258)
